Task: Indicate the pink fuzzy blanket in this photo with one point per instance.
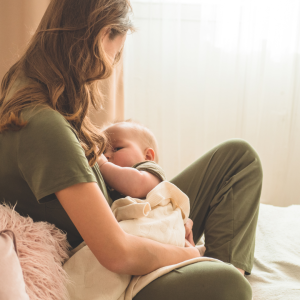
(42, 250)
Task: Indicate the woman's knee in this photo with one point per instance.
(242, 149)
(233, 285)
(239, 145)
(202, 280)
(227, 283)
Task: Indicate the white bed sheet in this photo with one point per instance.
(276, 271)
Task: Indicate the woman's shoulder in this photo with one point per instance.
(44, 117)
(41, 113)
(44, 123)
(19, 83)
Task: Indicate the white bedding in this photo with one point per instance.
(276, 271)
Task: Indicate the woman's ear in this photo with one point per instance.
(149, 154)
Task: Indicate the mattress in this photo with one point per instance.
(276, 271)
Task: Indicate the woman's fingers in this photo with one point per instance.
(188, 244)
(188, 231)
(188, 225)
(190, 238)
(192, 248)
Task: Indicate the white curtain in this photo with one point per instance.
(200, 72)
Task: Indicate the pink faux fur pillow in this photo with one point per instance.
(42, 250)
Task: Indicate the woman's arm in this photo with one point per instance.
(128, 181)
(115, 249)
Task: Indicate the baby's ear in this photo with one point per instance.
(149, 154)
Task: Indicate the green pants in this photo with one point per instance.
(224, 188)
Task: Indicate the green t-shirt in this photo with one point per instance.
(40, 159)
(147, 166)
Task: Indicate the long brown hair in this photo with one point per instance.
(63, 62)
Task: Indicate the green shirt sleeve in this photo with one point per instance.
(147, 166)
(50, 157)
(151, 167)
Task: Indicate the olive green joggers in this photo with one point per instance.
(224, 188)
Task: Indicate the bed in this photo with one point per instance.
(276, 271)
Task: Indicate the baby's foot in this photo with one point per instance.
(201, 249)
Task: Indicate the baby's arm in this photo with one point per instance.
(128, 181)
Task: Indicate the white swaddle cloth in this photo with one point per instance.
(160, 217)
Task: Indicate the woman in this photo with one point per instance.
(49, 151)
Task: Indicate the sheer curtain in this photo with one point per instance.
(200, 72)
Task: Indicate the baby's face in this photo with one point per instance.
(126, 149)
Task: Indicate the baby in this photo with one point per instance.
(129, 164)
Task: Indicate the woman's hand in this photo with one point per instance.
(188, 231)
(188, 244)
(195, 251)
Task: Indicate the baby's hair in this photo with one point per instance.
(144, 133)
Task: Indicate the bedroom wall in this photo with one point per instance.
(18, 21)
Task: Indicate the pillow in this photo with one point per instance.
(12, 285)
(42, 250)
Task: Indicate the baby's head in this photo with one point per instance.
(130, 143)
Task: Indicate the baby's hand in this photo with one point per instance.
(101, 160)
